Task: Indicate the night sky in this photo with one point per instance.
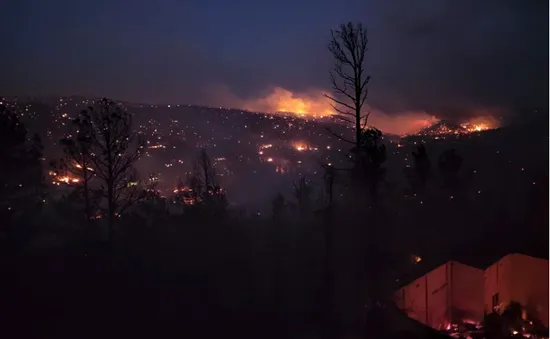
(443, 57)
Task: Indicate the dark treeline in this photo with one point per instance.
(129, 261)
(103, 254)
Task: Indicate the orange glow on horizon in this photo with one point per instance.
(314, 104)
(474, 125)
(481, 123)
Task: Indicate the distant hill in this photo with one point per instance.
(258, 155)
(442, 128)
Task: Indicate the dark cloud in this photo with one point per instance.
(449, 58)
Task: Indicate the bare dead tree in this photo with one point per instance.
(151, 186)
(20, 167)
(206, 170)
(114, 150)
(348, 47)
(302, 193)
(278, 205)
(203, 181)
(329, 178)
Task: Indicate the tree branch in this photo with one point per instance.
(339, 117)
(340, 137)
(339, 102)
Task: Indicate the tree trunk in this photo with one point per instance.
(328, 286)
(87, 212)
(110, 211)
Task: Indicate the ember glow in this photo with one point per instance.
(312, 104)
(471, 128)
(440, 129)
(265, 146)
(88, 168)
(481, 123)
(261, 148)
(71, 177)
(302, 146)
(67, 179)
(185, 195)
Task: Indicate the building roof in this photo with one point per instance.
(424, 267)
(515, 253)
(427, 264)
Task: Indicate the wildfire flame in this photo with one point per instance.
(67, 179)
(311, 104)
(481, 123)
(474, 125)
(186, 195)
(314, 104)
(301, 146)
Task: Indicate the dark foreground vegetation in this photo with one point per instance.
(201, 280)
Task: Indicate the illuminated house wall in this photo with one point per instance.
(450, 292)
(520, 278)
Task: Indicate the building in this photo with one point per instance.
(520, 278)
(448, 294)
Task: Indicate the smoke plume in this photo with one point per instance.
(313, 103)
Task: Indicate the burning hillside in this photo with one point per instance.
(313, 104)
(445, 128)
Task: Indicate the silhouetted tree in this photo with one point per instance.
(422, 165)
(114, 150)
(278, 207)
(302, 193)
(449, 164)
(151, 209)
(493, 326)
(371, 155)
(151, 187)
(514, 318)
(329, 179)
(21, 178)
(204, 186)
(77, 162)
(512, 315)
(22, 191)
(348, 47)
(35, 153)
(184, 194)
